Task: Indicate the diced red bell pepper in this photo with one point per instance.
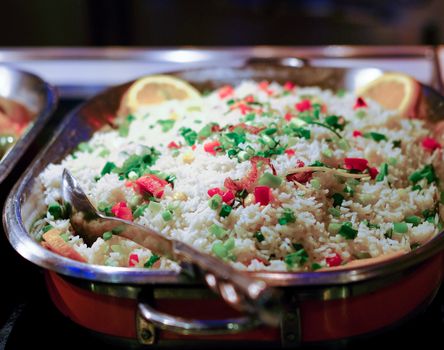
(121, 211)
(228, 197)
(430, 144)
(210, 147)
(360, 103)
(359, 164)
(133, 260)
(244, 108)
(152, 184)
(300, 177)
(263, 85)
(173, 144)
(373, 172)
(249, 99)
(216, 190)
(357, 133)
(290, 152)
(288, 86)
(304, 105)
(262, 195)
(335, 260)
(288, 117)
(226, 91)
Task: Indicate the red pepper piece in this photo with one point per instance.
(288, 117)
(152, 184)
(290, 152)
(133, 260)
(262, 195)
(335, 260)
(249, 99)
(210, 147)
(430, 144)
(304, 105)
(357, 133)
(225, 91)
(300, 177)
(228, 197)
(213, 191)
(173, 144)
(121, 211)
(288, 86)
(360, 103)
(249, 128)
(263, 85)
(373, 172)
(359, 164)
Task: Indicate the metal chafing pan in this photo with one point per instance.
(29, 99)
(136, 304)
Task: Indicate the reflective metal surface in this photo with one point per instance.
(40, 100)
(25, 201)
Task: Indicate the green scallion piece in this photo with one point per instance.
(225, 210)
(413, 219)
(347, 231)
(334, 212)
(56, 211)
(229, 244)
(167, 215)
(215, 201)
(316, 266)
(140, 210)
(166, 124)
(154, 207)
(287, 217)
(383, 172)
(375, 136)
(259, 236)
(218, 231)
(270, 180)
(107, 235)
(219, 250)
(108, 167)
(400, 227)
(337, 199)
(298, 258)
(150, 262)
(47, 228)
(334, 227)
(327, 152)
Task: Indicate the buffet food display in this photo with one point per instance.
(266, 176)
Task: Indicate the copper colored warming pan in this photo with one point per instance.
(164, 307)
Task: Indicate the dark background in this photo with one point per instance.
(220, 22)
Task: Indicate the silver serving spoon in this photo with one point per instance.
(236, 287)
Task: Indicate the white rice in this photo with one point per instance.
(380, 203)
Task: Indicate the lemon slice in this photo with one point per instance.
(155, 89)
(396, 91)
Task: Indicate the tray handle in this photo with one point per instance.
(181, 325)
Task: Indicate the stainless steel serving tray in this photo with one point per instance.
(38, 97)
(25, 202)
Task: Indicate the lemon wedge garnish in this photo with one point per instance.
(155, 89)
(396, 91)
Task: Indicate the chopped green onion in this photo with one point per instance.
(166, 124)
(229, 243)
(47, 228)
(270, 180)
(140, 210)
(104, 153)
(400, 227)
(315, 183)
(287, 217)
(189, 135)
(337, 199)
(56, 211)
(298, 258)
(343, 144)
(416, 188)
(327, 152)
(334, 227)
(150, 262)
(413, 219)
(347, 231)
(109, 166)
(396, 144)
(392, 161)
(167, 215)
(85, 147)
(427, 172)
(219, 250)
(154, 207)
(225, 210)
(215, 201)
(375, 136)
(334, 212)
(383, 172)
(218, 231)
(316, 266)
(107, 235)
(259, 236)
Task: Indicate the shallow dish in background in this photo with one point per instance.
(27, 102)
